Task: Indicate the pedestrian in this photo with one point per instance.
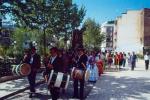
(55, 63)
(120, 59)
(93, 71)
(133, 60)
(124, 59)
(109, 60)
(129, 59)
(100, 65)
(81, 65)
(116, 60)
(146, 58)
(34, 60)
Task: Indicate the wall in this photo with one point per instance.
(129, 30)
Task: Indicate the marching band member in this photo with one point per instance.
(55, 63)
(81, 64)
(33, 59)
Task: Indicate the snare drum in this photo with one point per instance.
(58, 79)
(80, 74)
(22, 69)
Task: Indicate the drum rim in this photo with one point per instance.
(72, 72)
(17, 69)
(14, 69)
(67, 83)
(50, 77)
(86, 78)
(57, 78)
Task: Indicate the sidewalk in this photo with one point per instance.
(123, 85)
(42, 93)
(9, 87)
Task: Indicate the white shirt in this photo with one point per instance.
(31, 59)
(146, 57)
(52, 59)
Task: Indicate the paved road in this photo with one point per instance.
(123, 85)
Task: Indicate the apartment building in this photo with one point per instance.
(107, 29)
(133, 31)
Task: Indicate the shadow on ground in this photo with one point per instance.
(122, 88)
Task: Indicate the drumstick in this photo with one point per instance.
(46, 78)
(83, 65)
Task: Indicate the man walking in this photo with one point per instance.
(81, 65)
(146, 58)
(34, 60)
(133, 60)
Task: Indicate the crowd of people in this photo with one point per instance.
(63, 61)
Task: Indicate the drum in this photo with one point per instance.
(57, 79)
(80, 74)
(22, 69)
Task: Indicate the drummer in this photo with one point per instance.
(55, 63)
(81, 64)
(33, 59)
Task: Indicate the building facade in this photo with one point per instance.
(146, 30)
(133, 31)
(107, 29)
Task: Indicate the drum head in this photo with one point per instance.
(77, 73)
(25, 69)
(87, 75)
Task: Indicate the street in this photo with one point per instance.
(122, 85)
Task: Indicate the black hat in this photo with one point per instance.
(33, 48)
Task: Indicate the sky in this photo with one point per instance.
(105, 10)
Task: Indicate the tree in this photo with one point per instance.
(92, 37)
(55, 17)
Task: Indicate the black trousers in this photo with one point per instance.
(31, 79)
(76, 81)
(146, 64)
(54, 92)
(133, 65)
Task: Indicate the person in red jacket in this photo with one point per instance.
(116, 60)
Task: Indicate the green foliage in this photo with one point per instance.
(36, 17)
(20, 35)
(140, 56)
(92, 37)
